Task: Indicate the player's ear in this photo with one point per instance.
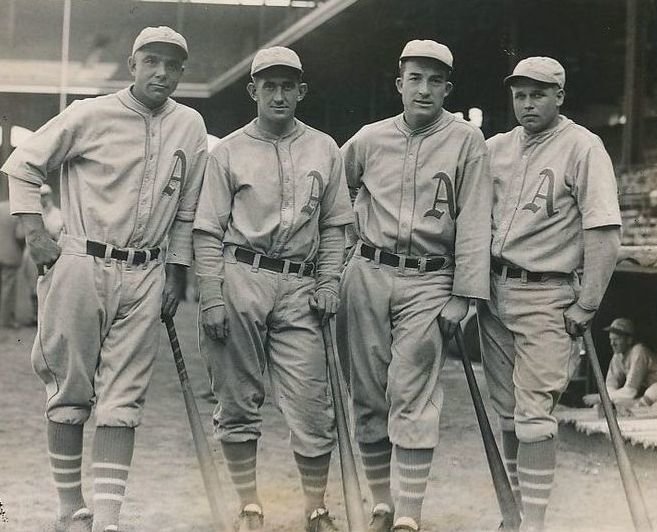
(132, 64)
(303, 90)
(561, 95)
(448, 88)
(251, 89)
(399, 84)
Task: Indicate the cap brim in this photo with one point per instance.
(616, 330)
(534, 77)
(185, 53)
(405, 57)
(285, 65)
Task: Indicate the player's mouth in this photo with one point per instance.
(423, 103)
(158, 87)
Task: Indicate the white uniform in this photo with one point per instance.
(129, 188)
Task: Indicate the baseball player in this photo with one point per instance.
(269, 245)
(554, 210)
(632, 375)
(423, 229)
(132, 166)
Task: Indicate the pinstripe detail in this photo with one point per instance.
(415, 467)
(536, 472)
(66, 470)
(411, 495)
(535, 486)
(107, 480)
(69, 457)
(68, 485)
(538, 501)
(410, 480)
(376, 467)
(109, 465)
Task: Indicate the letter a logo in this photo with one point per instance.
(316, 190)
(178, 172)
(447, 197)
(545, 192)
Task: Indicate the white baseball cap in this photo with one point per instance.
(544, 69)
(428, 48)
(160, 34)
(621, 326)
(275, 56)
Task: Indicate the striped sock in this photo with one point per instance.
(376, 463)
(414, 467)
(241, 462)
(314, 476)
(112, 455)
(536, 464)
(65, 452)
(510, 451)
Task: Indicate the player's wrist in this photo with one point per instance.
(588, 307)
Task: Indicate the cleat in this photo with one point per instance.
(250, 518)
(381, 518)
(320, 521)
(405, 524)
(79, 521)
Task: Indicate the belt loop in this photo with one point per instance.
(108, 254)
(286, 268)
(131, 259)
(377, 257)
(359, 245)
(402, 264)
(147, 258)
(505, 272)
(422, 265)
(256, 262)
(302, 268)
(523, 276)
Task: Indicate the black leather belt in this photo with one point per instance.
(97, 249)
(273, 265)
(513, 272)
(390, 259)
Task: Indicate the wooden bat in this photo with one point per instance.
(353, 499)
(505, 499)
(633, 493)
(211, 481)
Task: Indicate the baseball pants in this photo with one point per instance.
(271, 328)
(97, 335)
(395, 350)
(8, 283)
(528, 357)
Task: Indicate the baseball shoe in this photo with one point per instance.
(405, 524)
(381, 518)
(320, 521)
(78, 521)
(250, 518)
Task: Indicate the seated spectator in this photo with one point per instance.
(632, 374)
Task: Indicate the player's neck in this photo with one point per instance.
(420, 122)
(276, 128)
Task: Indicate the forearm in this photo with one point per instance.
(601, 246)
(209, 268)
(330, 257)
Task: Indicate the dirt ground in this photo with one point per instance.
(165, 491)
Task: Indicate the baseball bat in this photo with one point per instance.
(353, 499)
(211, 482)
(633, 493)
(505, 499)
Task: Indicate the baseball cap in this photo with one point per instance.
(160, 34)
(543, 69)
(275, 56)
(44, 190)
(428, 48)
(621, 326)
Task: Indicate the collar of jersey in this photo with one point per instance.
(529, 139)
(127, 98)
(252, 130)
(442, 121)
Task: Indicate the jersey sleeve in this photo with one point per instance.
(58, 140)
(353, 154)
(474, 199)
(595, 189)
(638, 371)
(335, 205)
(180, 235)
(615, 374)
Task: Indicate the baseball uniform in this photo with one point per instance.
(633, 375)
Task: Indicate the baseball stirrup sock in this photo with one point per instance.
(414, 467)
(65, 453)
(536, 464)
(510, 451)
(112, 455)
(376, 463)
(241, 462)
(314, 476)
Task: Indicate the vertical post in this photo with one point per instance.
(66, 36)
(629, 85)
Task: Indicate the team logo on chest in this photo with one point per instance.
(444, 194)
(316, 191)
(545, 192)
(177, 173)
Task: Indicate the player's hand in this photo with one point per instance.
(173, 284)
(452, 314)
(43, 249)
(214, 322)
(577, 320)
(325, 303)
(591, 399)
